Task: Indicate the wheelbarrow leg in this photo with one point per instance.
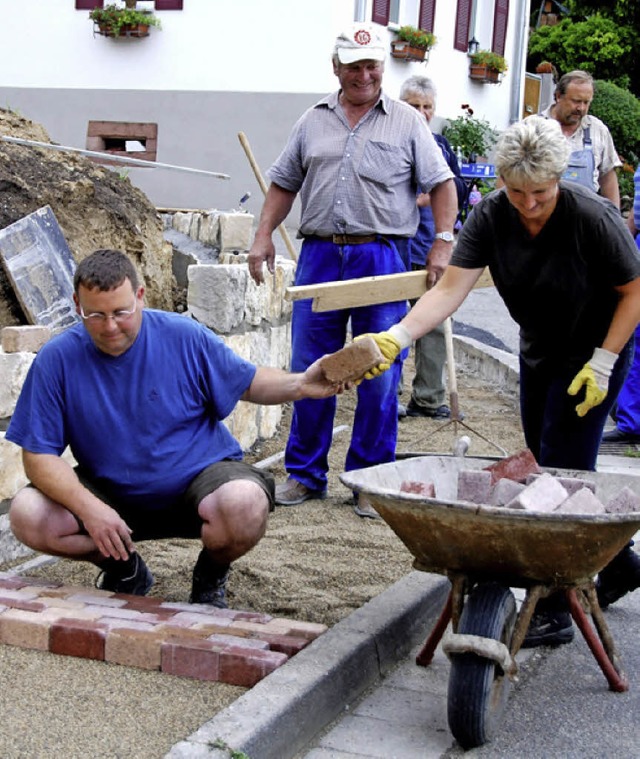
(601, 647)
(452, 610)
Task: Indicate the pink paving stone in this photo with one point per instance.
(133, 648)
(624, 502)
(198, 659)
(352, 361)
(11, 581)
(19, 594)
(60, 603)
(238, 642)
(254, 616)
(239, 667)
(18, 603)
(515, 467)
(285, 644)
(40, 582)
(583, 501)
(127, 624)
(281, 626)
(97, 600)
(77, 637)
(474, 485)
(504, 491)
(194, 618)
(427, 489)
(543, 495)
(26, 629)
(308, 630)
(570, 484)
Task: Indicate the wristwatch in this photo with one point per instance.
(446, 236)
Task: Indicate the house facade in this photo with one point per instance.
(182, 94)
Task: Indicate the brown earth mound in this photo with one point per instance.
(95, 208)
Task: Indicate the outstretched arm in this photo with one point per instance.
(271, 386)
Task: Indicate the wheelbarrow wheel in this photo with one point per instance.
(478, 687)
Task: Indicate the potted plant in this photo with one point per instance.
(412, 44)
(115, 21)
(487, 66)
(475, 137)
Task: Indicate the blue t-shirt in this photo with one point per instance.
(142, 424)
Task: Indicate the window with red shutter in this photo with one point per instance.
(500, 19)
(380, 13)
(169, 5)
(88, 5)
(426, 15)
(463, 23)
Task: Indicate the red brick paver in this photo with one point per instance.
(188, 640)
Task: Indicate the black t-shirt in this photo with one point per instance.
(559, 285)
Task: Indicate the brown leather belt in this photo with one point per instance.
(347, 239)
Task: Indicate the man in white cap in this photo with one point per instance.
(357, 158)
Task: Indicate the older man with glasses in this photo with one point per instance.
(139, 396)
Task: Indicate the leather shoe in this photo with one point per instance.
(619, 577)
(292, 492)
(442, 412)
(364, 509)
(618, 436)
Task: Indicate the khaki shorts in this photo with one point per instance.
(181, 519)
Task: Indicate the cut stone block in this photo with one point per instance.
(516, 467)
(544, 494)
(426, 489)
(474, 485)
(505, 491)
(353, 361)
(570, 484)
(625, 502)
(583, 501)
(28, 339)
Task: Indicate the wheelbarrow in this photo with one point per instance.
(485, 551)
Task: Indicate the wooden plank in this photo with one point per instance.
(40, 268)
(366, 291)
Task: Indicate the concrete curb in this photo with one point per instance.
(497, 367)
(282, 714)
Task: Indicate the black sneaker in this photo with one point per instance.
(209, 582)
(619, 577)
(137, 579)
(549, 628)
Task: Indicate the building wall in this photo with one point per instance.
(217, 68)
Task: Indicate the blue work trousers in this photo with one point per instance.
(375, 424)
(553, 431)
(628, 408)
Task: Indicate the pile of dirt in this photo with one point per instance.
(95, 207)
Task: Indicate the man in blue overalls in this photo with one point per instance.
(593, 159)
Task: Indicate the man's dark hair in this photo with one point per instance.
(105, 269)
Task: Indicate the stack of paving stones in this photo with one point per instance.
(189, 640)
(517, 482)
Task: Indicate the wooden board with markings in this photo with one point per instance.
(366, 291)
(40, 268)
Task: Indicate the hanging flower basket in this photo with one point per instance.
(403, 50)
(481, 73)
(128, 30)
(113, 21)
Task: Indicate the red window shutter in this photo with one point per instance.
(169, 5)
(88, 5)
(380, 13)
(427, 14)
(463, 22)
(500, 19)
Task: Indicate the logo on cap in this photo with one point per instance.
(362, 37)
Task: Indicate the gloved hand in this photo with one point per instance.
(594, 377)
(390, 343)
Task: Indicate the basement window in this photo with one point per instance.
(123, 138)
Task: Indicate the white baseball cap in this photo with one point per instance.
(358, 43)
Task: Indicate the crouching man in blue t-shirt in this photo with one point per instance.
(139, 397)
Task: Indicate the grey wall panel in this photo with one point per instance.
(195, 129)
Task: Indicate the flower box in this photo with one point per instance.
(482, 73)
(403, 50)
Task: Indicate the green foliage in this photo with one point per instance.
(597, 44)
(416, 37)
(490, 59)
(114, 18)
(469, 134)
(620, 111)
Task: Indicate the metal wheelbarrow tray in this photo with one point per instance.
(486, 550)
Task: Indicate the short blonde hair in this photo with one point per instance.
(533, 149)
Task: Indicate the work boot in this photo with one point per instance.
(292, 492)
(130, 576)
(619, 577)
(551, 623)
(209, 581)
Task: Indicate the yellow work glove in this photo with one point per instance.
(390, 343)
(594, 377)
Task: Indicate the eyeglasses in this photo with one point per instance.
(97, 317)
